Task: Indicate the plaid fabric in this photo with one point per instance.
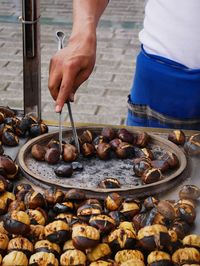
(145, 116)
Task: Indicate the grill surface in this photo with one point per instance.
(95, 169)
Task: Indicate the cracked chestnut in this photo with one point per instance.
(109, 182)
(177, 137)
(103, 151)
(151, 175)
(125, 150)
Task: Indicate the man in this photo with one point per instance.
(166, 87)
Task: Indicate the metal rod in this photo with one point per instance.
(31, 56)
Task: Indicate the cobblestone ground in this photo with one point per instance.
(102, 98)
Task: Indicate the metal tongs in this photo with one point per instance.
(60, 36)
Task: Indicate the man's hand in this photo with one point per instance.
(70, 67)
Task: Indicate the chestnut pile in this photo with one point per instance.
(149, 164)
(66, 228)
(12, 127)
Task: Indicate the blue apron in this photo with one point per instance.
(164, 94)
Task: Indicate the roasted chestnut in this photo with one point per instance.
(142, 139)
(163, 166)
(21, 244)
(189, 192)
(3, 184)
(38, 152)
(113, 201)
(70, 153)
(140, 165)
(115, 143)
(154, 237)
(21, 189)
(151, 175)
(156, 258)
(63, 207)
(181, 228)
(9, 138)
(85, 211)
(9, 166)
(123, 256)
(166, 209)
(36, 233)
(150, 202)
(52, 156)
(87, 150)
(99, 139)
(17, 222)
(86, 137)
(177, 137)
(75, 195)
(104, 151)
(108, 132)
(130, 207)
(125, 135)
(144, 153)
(73, 257)
(125, 150)
(15, 258)
(109, 182)
(53, 144)
(4, 240)
(37, 129)
(101, 251)
(192, 241)
(17, 205)
(84, 236)
(43, 258)
(186, 255)
(57, 231)
(192, 146)
(64, 170)
(121, 239)
(47, 246)
(53, 195)
(103, 223)
(186, 213)
(37, 216)
(34, 199)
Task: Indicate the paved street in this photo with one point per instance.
(102, 98)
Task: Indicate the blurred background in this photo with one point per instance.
(102, 99)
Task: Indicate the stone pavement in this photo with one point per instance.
(102, 98)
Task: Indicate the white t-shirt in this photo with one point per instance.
(172, 30)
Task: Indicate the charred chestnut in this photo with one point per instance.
(103, 223)
(186, 213)
(166, 209)
(64, 170)
(142, 139)
(150, 202)
(47, 246)
(86, 137)
(37, 129)
(87, 150)
(77, 256)
(38, 152)
(124, 256)
(156, 258)
(117, 216)
(140, 165)
(9, 166)
(75, 195)
(85, 211)
(154, 237)
(63, 207)
(192, 146)
(189, 192)
(177, 137)
(113, 201)
(3, 184)
(17, 222)
(52, 156)
(36, 233)
(101, 251)
(109, 182)
(99, 139)
(57, 231)
(108, 133)
(130, 207)
(104, 151)
(186, 255)
(70, 153)
(43, 258)
(9, 138)
(53, 195)
(21, 189)
(151, 175)
(21, 244)
(181, 228)
(15, 258)
(34, 199)
(144, 153)
(125, 135)
(125, 150)
(37, 216)
(121, 239)
(4, 240)
(84, 236)
(53, 144)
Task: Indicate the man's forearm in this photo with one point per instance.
(86, 14)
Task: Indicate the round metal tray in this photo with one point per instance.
(95, 170)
